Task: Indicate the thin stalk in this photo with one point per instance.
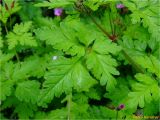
(17, 57)
(10, 22)
(112, 28)
(116, 114)
(69, 100)
(6, 28)
(115, 25)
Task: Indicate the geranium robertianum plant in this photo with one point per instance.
(79, 59)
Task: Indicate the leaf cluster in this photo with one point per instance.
(82, 64)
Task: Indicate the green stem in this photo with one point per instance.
(17, 57)
(112, 28)
(116, 114)
(10, 22)
(69, 100)
(6, 28)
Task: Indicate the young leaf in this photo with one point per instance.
(10, 102)
(94, 4)
(146, 12)
(144, 91)
(21, 36)
(57, 114)
(26, 69)
(28, 91)
(151, 108)
(94, 94)
(134, 41)
(118, 95)
(6, 89)
(25, 110)
(6, 82)
(151, 63)
(103, 65)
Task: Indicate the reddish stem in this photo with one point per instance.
(113, 37)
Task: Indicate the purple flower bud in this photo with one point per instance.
(120, 107)
(58, 11)
(120, 6)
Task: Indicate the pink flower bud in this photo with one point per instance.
(120, 107)
(120, 6)
(58, 11)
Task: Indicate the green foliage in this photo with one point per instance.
(1, 39)
(58, 114)
(83, 64)
(29, 12)
(60, 41)
(119, 94)
(56, 3)
(94, 4)
(6, 83)
(102, 65)
(151, 63)
(28, 110)
(148, 12)
(21, 35)
(7, 10)
(144, 91)
(6, 89)
(152, 108)
(62, 76)
(135, 40)
(27, 91)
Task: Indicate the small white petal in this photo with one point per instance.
(54, 57)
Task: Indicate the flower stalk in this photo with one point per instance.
(69, 100)
(120, 107)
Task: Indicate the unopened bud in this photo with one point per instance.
(12, 5)
(58, 11)
(6, 6)
(120, 107)
(120, 6)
